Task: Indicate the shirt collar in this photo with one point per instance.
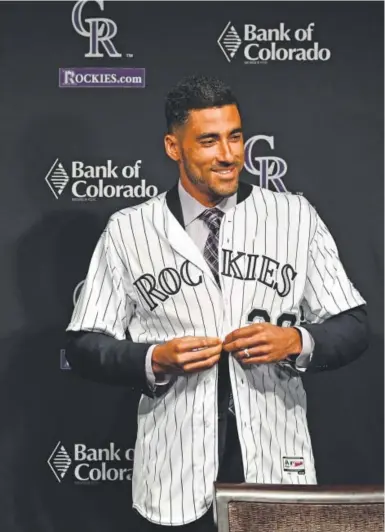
(191, 208)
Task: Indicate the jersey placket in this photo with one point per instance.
(225, 231)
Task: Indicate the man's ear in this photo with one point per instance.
(171, 146)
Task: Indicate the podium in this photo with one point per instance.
(298, 508)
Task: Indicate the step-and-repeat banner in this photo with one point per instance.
(78, 144)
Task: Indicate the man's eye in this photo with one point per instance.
(236, 137)
(207, 142)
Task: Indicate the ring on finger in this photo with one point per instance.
(247, 354)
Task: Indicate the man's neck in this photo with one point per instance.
(203, 198)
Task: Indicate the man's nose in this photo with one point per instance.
(225, 153)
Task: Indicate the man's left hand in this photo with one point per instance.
(266, 343)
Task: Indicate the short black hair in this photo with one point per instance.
(196, 92)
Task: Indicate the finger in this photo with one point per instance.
(248, 330)
(196, 356)
(193, 367)
(196, 342)
(257, 351)
(241, 343)
(237, 333)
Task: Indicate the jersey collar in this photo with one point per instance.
(174, 202)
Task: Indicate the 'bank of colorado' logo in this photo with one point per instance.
(92, 182)
(59, 461)
(263, 45)
(87, 465)
(268, 168)
(99, 31)
(57, 178)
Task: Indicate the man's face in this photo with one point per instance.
(210, 151)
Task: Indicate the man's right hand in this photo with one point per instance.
(188, 354)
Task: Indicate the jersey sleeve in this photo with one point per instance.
(328, 290)
(104, 304)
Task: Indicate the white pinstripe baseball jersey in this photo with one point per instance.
(147, 275)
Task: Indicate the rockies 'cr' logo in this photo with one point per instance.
(269, 168)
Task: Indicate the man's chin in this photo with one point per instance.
(224, 190)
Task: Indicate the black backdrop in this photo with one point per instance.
(326, 119)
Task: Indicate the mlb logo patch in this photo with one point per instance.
(294, 464)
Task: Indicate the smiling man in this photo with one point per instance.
(195, 298)
(209, 152)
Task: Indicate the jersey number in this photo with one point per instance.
(260, 315)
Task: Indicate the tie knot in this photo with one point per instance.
(212, 218)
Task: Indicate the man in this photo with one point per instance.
(195, 297)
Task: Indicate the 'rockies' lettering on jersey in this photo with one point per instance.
(267, 268)
(170, 280)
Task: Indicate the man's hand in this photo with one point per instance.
(189, 354)
(265, 342)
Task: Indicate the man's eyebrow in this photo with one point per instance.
(216, 135)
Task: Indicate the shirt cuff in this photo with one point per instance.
(151, 379)
(304, 358)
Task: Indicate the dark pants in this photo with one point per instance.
(230, 470)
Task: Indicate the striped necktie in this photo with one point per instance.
(212, 218)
